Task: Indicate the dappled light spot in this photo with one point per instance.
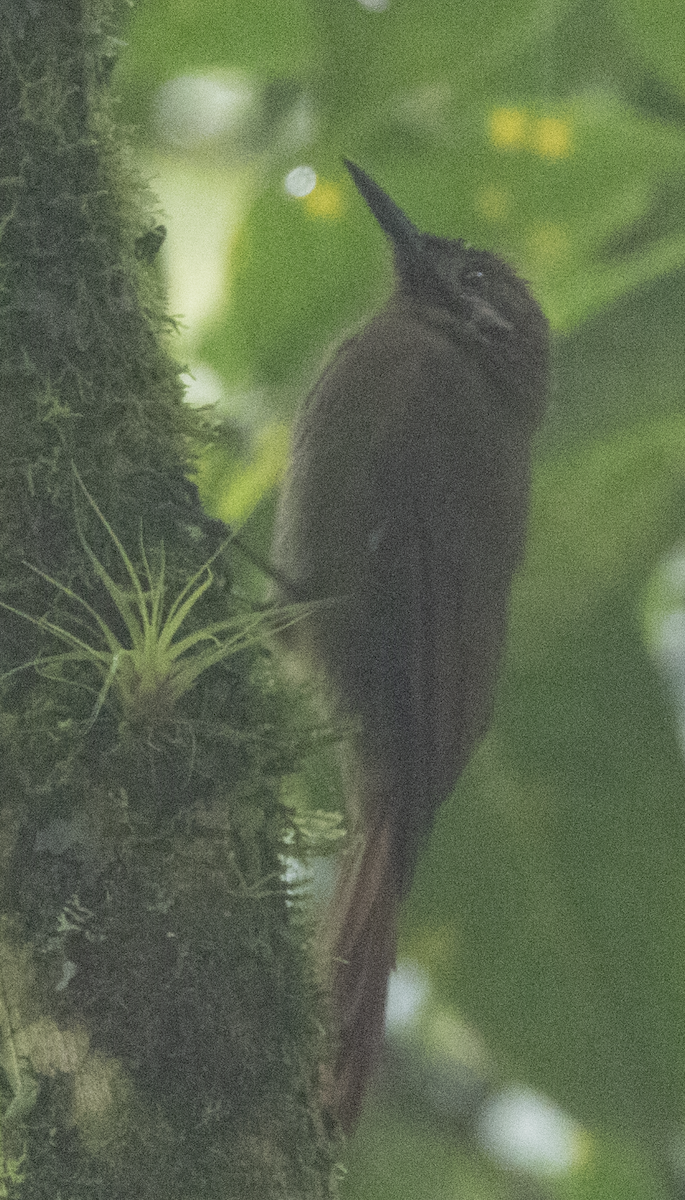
(523, 1129)
(663, 618)
(408, 991)
(492, 203)
(300, 181)
(203, 386)
(551, 137)
(325, 201)
(321, 199)
(250, 481)
(548, 244)
(517, 129)
(192, 109)
(507, 128)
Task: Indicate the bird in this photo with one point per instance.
(404, 511)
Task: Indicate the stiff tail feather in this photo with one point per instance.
(361, 949)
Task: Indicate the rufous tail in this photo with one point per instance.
(361, 948)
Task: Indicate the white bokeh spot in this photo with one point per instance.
(408, 991)
(193, 109)
(522, 1129)
(300, 181)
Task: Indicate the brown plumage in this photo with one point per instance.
(405, 503)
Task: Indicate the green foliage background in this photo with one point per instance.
(549, 909)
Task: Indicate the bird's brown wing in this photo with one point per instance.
(424, 479)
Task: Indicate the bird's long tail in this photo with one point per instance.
(361, 948)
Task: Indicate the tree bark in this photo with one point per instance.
(159, 1018)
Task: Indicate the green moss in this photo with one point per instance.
(158, 988)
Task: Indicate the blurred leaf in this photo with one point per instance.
(601, 518)
(559, 865)
(390, 1155)
(612, 1170)
(170, 37)
(624, 367)
(302, 270)
(658, 29)
(248, 480)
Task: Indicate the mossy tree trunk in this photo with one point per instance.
(158, 1016)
